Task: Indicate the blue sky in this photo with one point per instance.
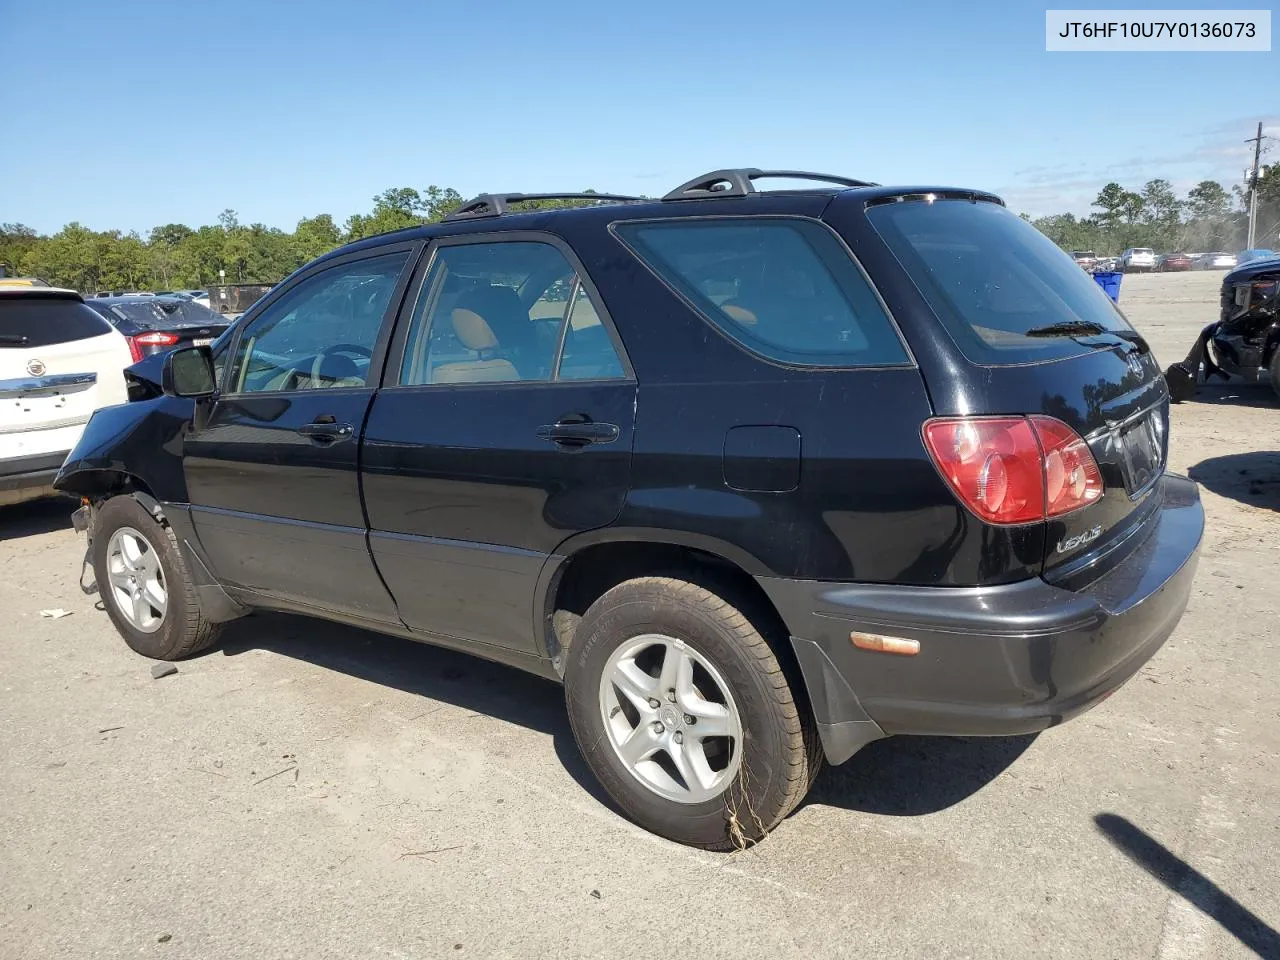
(132, 114)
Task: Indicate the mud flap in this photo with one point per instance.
(842, 724)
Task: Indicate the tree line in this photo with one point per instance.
(1208, 218)
(174, 256)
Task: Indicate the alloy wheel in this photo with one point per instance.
(671, 718)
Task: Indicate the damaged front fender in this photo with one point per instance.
(135, 445)
(1244, 341)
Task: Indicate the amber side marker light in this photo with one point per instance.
(878, 644)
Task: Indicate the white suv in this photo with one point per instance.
(1138, 258)
(59, 362)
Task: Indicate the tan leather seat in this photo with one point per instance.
(474, 332)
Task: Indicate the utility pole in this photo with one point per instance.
(1253, 185)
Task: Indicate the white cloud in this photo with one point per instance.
(1221, 154)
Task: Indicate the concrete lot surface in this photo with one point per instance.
(315, 791)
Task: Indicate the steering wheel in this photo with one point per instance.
(348, 348)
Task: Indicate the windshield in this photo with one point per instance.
(991, 278)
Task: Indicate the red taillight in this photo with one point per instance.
(1014, 469)
(154, 339)
(1071, 477)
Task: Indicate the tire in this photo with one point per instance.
(755, 778)
(1273, 370)
(172, 631)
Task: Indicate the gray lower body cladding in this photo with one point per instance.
(1009, 659)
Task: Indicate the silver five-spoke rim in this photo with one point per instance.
(671, 718)
(137, 580)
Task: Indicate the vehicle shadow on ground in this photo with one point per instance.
(1236, 393)
(1252, 478)
(467, 682)
(902, 776)
(1190, 884)
(36, 517)
(915, 776)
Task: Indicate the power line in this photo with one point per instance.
(1253, 183)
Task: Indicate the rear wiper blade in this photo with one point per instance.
(13, 339)
(1087, 328)
(1069, 328)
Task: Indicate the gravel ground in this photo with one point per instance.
(315, 791)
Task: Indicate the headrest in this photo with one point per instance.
(739, 314)
(507, 318)
(473, 330)
(338, 366)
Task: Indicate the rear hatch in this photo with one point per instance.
(59, 361)
(1028, 333)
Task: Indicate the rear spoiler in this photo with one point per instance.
(40, 293)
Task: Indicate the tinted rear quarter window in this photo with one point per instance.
(786, 289)
(991, 278)
(45, 321)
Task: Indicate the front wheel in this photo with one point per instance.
(144, 583)
(685, 715)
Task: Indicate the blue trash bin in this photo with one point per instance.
(1110, 283)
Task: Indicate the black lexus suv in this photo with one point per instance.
(760, 475)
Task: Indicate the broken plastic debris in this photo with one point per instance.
(57, 613)
(163, 670)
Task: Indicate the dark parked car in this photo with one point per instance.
(156, 324)
(1244, 341)
(1174, 262)
(760, 476)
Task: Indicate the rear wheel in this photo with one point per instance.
(685, 715)
(144, 583)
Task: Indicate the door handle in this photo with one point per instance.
(578, 433)
(324, 431)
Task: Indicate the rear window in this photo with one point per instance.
(786, 289)
(141, 313)
(188, 313)
(44, 321)
(992, 279)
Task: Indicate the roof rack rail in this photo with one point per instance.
(498, 204)
(738, 182)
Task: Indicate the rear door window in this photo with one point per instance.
(994, 281)
(784, 288)
(44, 321)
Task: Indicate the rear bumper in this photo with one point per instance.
(30, 477)
(1009, 659)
